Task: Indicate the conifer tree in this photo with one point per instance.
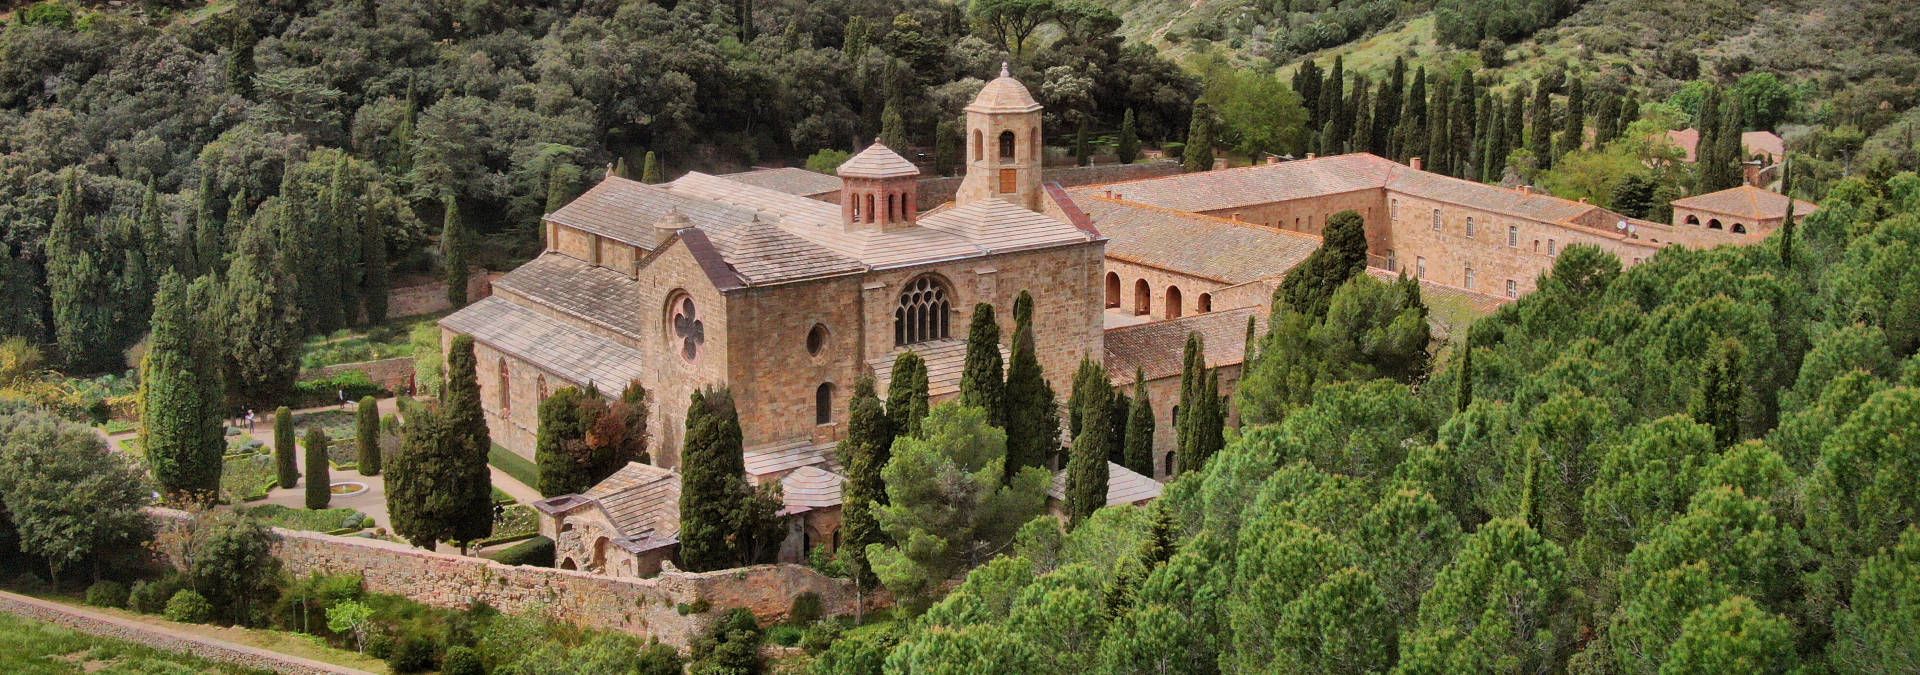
(376, 282)
(1087, 462)
(1717, 402)
(224, 237)
(367, 436)
(1209, 420)
(79, 284)
(285, 456)
(1082, 152)
(1088, 379)
(262, 337)
(239, 66)
(560, 446)
(1033, 423)
(650, 171)
(982, 383)
(1606, 120)
(1576, 121)
(1439, 136)
(946, 147)
(155, 246)
(466, 484)
(1541, 136)
(561, 178)
(1786, 225)
(1138, 454)
(713, 482)
(436, 489)
(1413, 119)
(893, 127)
(453, 252)
(319, 482)
(1306, 82)
(1387, 104)
(180, 404)
(864, 452)
(464, 415)
(1192, 370)
(1198, 153)
(1463, 392)
(620, 168)
(1128, 148)
(1333, 98)
(1516, 124)
(1309, 287)
(907, 394)
(348, 264)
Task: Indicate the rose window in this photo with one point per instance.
(687, 328)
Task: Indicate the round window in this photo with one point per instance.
(817, 339)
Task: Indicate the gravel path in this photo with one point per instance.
(100, 623)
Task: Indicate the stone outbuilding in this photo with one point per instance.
(1745, 210)
(626, 525)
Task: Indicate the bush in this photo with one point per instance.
(188, 606)
(380, 643)
(785, 635)
(536, 552)
(150, 597)
(805, 609)
(107, 594)
(658, 659)
(326, 390)
(412, 654)
(820, 636)
(462, 661)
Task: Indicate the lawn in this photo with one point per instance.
(29, 646)
(353, 345)
(515, 465)
(323, 520)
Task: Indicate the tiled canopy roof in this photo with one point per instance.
(643, 503)
(784, 457)
(571, 353)
(1746, 201)
(1194, 244)
(1123, 486)
(945, 360)
(1156, 348)
(590, 293)
(791, 180)
(809, 488)
(877, 161)
(1003, 95)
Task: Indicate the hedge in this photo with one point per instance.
(324, 391)
(536, 552)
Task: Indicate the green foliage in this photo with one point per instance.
(285, 462)
(180, 400)
(1032, 418)
(731, 646)
(1138, 452)
(650, 171)
(723, 521)
(1087, 461)
(1128, 149)
(367, 436)
(1734, 636)
(982, 384)
(1491, 608)
(319, 484)
(535, 551)
(561, 449)
(1372, 330)
(438, 486)
(462, 660)
(150, 597)
(71, 502)
(827, 160)
(107, 593)
(232, 566)
(864, 452)
(907, 394)
(187, 606)
(1342, 255)
(1197, 155)
(1875, 632)
(453, 251)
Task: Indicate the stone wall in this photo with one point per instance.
(937, 191)
(1159, 283)
(643, 607)
(394, 375)
(1496, 258)
(431, 297)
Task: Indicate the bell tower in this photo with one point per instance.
(879, 190)
(1003, 145)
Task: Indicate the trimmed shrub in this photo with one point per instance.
(107, 594)
(150, 597)
(412, 654)
(462, 661)
(805, 610)
(536, 552)
(188, 606)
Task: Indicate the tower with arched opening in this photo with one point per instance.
(1004, 153)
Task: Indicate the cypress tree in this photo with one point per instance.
(180, 430)
(367, 436)
(1707, 147)
(1412, 128)
(1082, 153)
(1439, 137)
(453, 251)
(1576, 120)
(1516, 124)
(262, 339)
(217, 240)
(464, 415)
(1198, 153)
(155, 245)
(1089, 378)
(239, 66)
(1087, 462)
(650, 171)
(1138, 454)
(1308, 288)
(79, 284)
(1033, 424)
(1386, 109)
(1358, 112)
(1606, 120)
(620, 168)
(946, 147)
(1494, 159)
(376, 283)
(1542, 132)
(893, 127)
(907, 394)
(1717, 402)
(436, 491)
(560, 445)
(1119, 404)
(1461, 121)
(1333, 98)
(1786, 225)
(1192, 369)
(1210, 430)
(319, 482)
(1629, 113)
(347, 262)
(982, 384)
(864, 452)
(285, 464)
(1463, 392)
(1128, 149)
(713, 482)
(1250, 352)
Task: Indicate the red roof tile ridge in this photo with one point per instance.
(1200, 216)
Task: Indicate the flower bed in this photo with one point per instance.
(248, 477)
(518, 521)
(323, 520)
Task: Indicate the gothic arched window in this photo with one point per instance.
(923, 312)
(688, 333)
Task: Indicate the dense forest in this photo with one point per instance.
(155, 136)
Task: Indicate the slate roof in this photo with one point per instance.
(1532, 205)
(626, 211)
(597, 295)
(791, 180)
(809, 488)
(945, 360)
(877, 161)
(1746, 201)
(643, 503)
(788, 456)
(1205, 246)
(1123, 486)
(571, 353)
(1156, 348)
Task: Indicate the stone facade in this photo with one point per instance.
(940, 190)
(1504, 255)
(1141, 290)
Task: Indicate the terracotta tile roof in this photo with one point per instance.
(1746, 201)
(643, 503)
(945, 360)
(809, 488)
(782, 457)
(563, 350)
(1156, 348)
(1260, 184)
(877, 161)
(587, 292)
(1003, 95)
(1537, 206)
(1071, 209)
(1215, 248)
(1123, 486)
(626, 211)
(791, 180)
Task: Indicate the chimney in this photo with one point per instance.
(1273, 159)
(1525, 189)
(1415, 163)
(1236, 216)
(1309, 155)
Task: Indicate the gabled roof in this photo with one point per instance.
(791, 180)
(558, 347)
(783, 457)
(1124, 486)
(1751, 142)
(877, 161)
(1746, 201)
(809, 488)
(590, 293)
(1156, 348)
(643, 503)
(945, 360)
(1259, 184)
(1189, 243)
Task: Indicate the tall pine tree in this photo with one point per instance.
(1087, 462)
(180, 404)
(713, 482)
(1575, 134)
(1138, 452)
(1033, 423)
(864, 452)
(453, 252)
(262, 339)
(1541, 137)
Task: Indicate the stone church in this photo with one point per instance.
(707, 281)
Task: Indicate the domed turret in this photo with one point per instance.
(1003, 144)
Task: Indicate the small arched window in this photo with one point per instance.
(1693, 219)
(1166, 465)
(1007, 143)
(979, 147)
(1713, 224)
(823, 403)
(869, 207)
(506, 389)
(1113, 289)
(1142, 298)
(923, 314)
(1739, 228)
(1436, 219)
(540, 387)
(1173, 304)
(1206, 302)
